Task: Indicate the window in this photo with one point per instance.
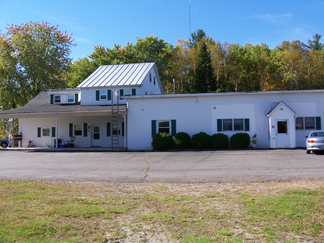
(70, 98)
(46, 132)
(128, 92)
(77, 130)
(282, 127)
(227, 125)
(304, 123)
(309, 122)
(163, 126)
(150, 78)
(103, 95)
(167, 126)
(242, 124)
(57, 99)
(116, 129)
(154, 80)
(238, 125)
(299, 123)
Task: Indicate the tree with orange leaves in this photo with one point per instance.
(33, 57)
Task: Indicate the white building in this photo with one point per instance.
(94, 113)
(281, 119)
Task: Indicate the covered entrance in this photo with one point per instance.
(282, 132)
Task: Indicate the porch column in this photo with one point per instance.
(56, 131)
(125, 131)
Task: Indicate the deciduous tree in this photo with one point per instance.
(33, 57)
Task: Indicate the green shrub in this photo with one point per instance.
(181, 140)
(219, 141)
(240, 140)
(162, 141)
(200, 141)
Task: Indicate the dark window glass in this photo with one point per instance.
(164, 126)
(227, 125)
(77, 130)
(238, 125)
(299, 123)
(57, 99)
(309, 122)
(282, 126)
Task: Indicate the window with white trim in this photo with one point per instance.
(57, 99)
(239, 124)
(77, 130)
(46, 132)
(70, 98)
(163, 126)
(103, 95)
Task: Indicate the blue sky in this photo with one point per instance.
(112, 22)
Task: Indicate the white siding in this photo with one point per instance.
(196, 114)
(28, 127)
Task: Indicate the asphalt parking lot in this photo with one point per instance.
(161, 166)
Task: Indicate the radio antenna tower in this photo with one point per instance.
(190, 12)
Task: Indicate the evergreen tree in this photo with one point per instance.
(204, 79)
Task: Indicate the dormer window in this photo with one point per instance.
(57, 99)
(103, 95)
(128, 92)
(70, 98)
(150, 78)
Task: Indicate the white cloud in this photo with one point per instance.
(275, 19)
(81, 39)
(59, 20)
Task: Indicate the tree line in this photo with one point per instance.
(201, 64)
(36, 56)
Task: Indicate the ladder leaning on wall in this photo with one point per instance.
(115, 123)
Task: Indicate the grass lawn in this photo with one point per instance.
(249, 211)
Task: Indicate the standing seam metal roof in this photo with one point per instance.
(117, 75)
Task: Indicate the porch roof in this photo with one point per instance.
(40, 107)
(277, 105)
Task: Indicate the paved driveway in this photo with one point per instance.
(166, 166)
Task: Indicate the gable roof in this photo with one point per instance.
(40, 106)
(277, 105)
(118, 75)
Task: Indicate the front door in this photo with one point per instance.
(96, 141)
(282, 135)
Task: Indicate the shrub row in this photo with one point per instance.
(164, 141)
